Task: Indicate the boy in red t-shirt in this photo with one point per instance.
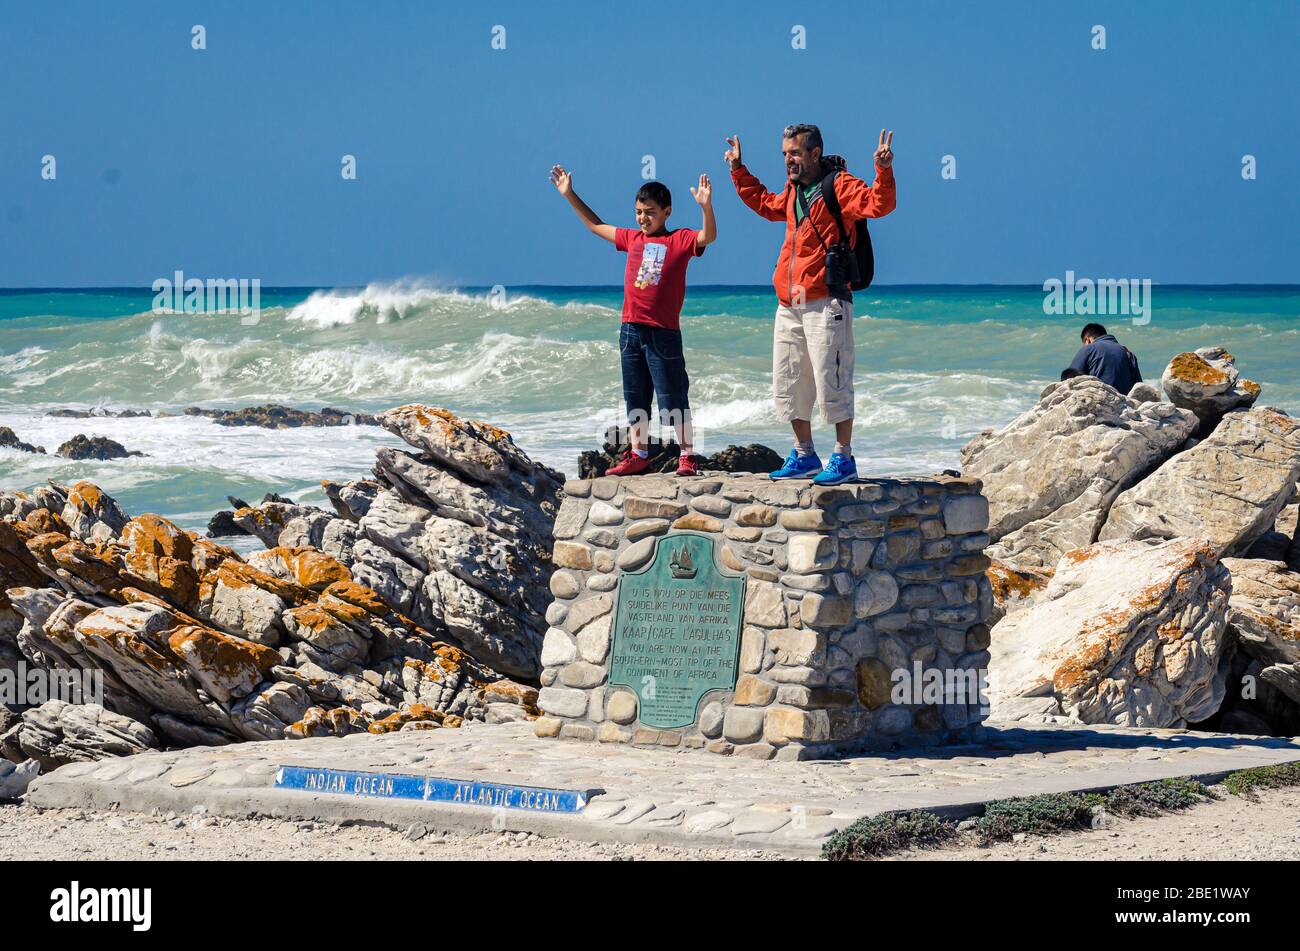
(654, 287)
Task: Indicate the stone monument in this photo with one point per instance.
(765, 618)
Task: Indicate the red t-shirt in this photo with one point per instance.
(654, 284)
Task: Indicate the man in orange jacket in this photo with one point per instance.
(812, 350)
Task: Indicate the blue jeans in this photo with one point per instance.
(653, 364)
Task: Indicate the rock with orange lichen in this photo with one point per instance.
(1128, 633)
(1051, 475)
(1014, 587)
(317, 721)
(226, 667)
(1206, 381)
(92, 514)
(414, 713)
(483, 452)
(133, 642)
(43, 520)
(159, 556)
(94, 573)
(270, 710)
(270, 519)
(18, 569)
(1229, 488)
(307, 567)
(1264, 617)
(332, 632)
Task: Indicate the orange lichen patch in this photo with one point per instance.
(17, 569)
(131, 595)
(226, 665)
(43, 520)
(209, 556)
(312, 568)
(415, 713)
(1008, 581)
(317, 721)
(165, 576)
(1249, 386)
(156, 535)
(271, 517)
(87, 564)
(86, 496)
(360, 596)
(328, 613)
(42, 546)
(1194, 369)
(123, 642)
(450, 424)
(239, 574)
(507, 691)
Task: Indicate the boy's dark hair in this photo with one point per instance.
(814, 134)
(656, 192)
(1092, 330)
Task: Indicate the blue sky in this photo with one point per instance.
(225, 162)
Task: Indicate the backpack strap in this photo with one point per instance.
(833, 202)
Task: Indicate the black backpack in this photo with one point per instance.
(866, 258)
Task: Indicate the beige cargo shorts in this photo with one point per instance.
(812, 360)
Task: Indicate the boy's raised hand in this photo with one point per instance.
(704, 194)
(732, 155)
(562, 180)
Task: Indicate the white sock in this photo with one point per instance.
(643, 453)
(844, 450)
(804, 448)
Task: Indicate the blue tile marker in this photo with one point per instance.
(432, 789)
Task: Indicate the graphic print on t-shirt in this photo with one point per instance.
(652, 265)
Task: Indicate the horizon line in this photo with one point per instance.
(619, 287)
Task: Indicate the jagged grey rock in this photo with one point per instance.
(56, 732)
(1230, 488)
(1264, 617)
(1052, 474)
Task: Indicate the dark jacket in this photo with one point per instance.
(1107, 360)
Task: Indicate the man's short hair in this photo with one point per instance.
(814, 134)
(1092, 330)
(656, 192)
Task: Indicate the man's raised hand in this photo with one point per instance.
(704, 194)
(884, 151)
(562, 180)
(732, 155)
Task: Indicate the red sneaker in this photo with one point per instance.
(686, 465)
(630, 464)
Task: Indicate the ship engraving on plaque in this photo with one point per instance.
(677, 630)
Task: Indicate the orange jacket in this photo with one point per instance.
(802, 262)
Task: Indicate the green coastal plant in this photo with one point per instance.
(1047, 814)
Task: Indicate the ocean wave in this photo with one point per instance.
(384, 303)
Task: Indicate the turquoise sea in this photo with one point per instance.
(935, 365)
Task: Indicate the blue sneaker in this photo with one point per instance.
(841, 468)
(799, 467)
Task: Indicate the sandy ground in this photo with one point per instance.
(1231, 828)
(76, 835)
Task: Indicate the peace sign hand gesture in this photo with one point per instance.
(732, 155)
(884, 151)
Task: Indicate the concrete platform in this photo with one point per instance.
(684, 798)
